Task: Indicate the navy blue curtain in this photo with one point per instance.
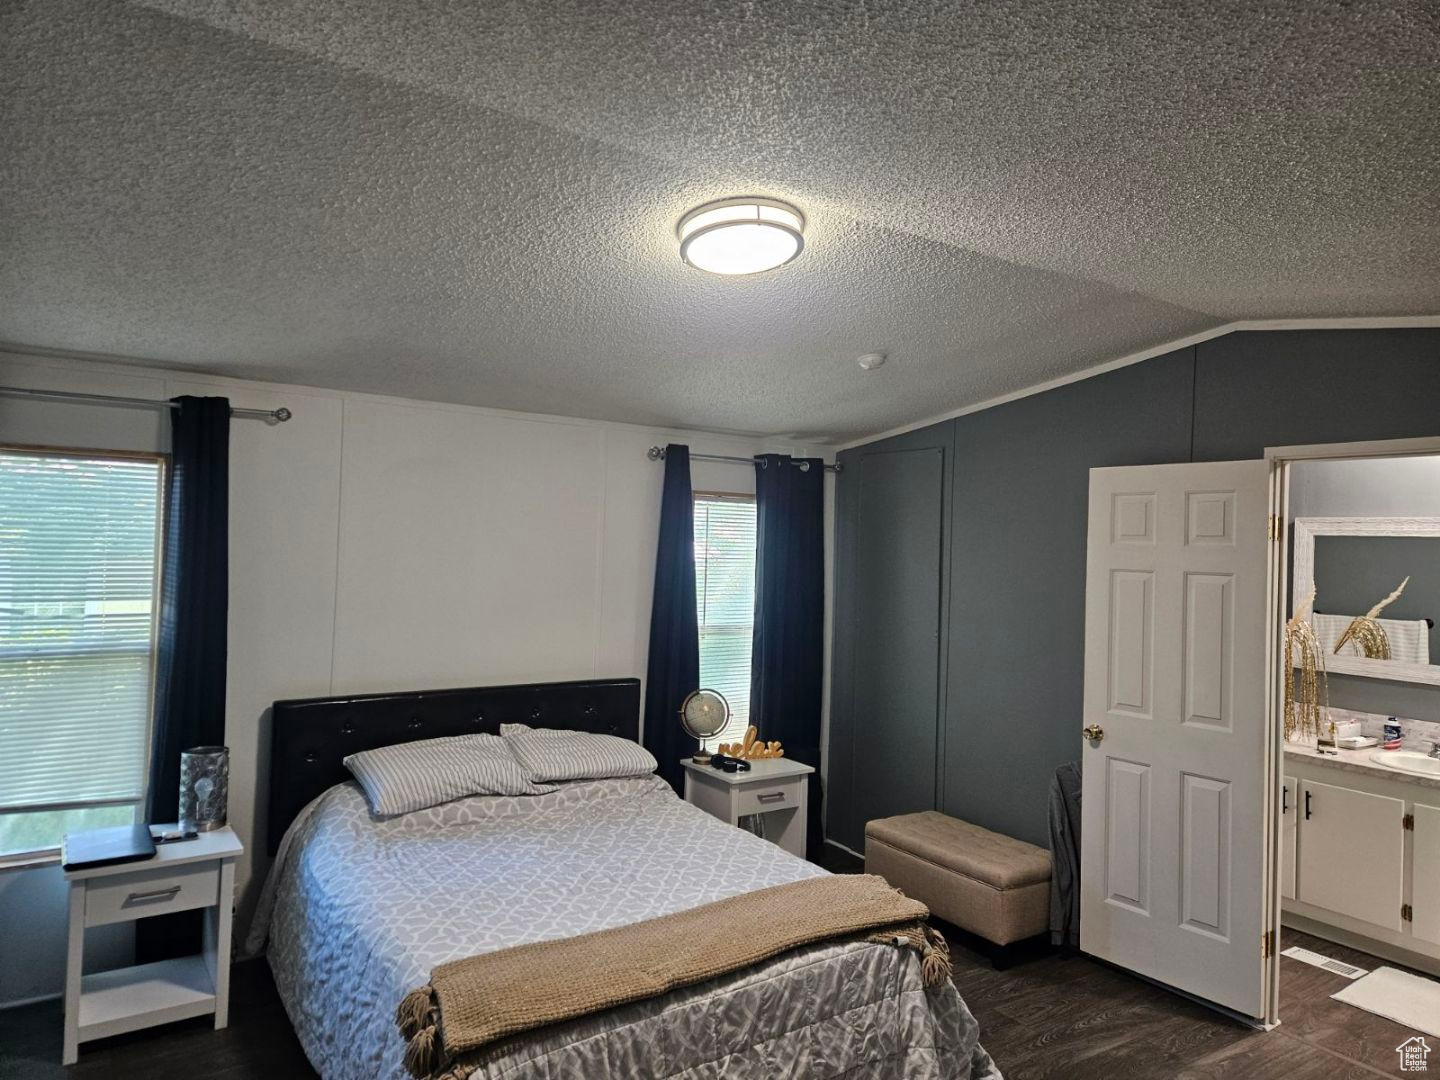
(673, 668)
(190, 660)
(194, 596)
(787, 657)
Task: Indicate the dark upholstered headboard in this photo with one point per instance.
(311, 737)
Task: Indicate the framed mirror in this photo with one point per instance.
(1356, 564)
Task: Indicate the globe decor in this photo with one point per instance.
(704, 715)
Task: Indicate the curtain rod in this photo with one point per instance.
(273, 416)
(657, 453)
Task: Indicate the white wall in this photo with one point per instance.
(382, 544)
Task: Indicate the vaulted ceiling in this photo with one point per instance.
(476, 202)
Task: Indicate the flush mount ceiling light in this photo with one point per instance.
(741, 236)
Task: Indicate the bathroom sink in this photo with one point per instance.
(1410, 761)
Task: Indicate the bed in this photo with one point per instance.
(358, 910)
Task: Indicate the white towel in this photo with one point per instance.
(1409, 638)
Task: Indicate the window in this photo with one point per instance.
(725, 601)
(79, 542)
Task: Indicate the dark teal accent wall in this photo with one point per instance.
(1290, 387)
(971, 534)
(1017, 608)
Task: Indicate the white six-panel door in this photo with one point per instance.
(1172, 861)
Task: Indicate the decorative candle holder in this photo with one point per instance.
(204, 788)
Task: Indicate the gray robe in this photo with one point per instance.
(1065, 855)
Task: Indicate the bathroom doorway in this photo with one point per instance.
(1354, 685)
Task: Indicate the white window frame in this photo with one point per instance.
(51, 855)
(738, 497)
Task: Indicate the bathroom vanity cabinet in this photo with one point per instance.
(1352, 857)
(1361, 855)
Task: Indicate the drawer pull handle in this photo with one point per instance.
(771, 796)
(155, 894)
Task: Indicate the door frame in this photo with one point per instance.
(1278, 460)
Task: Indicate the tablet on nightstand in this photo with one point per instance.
(106, 847)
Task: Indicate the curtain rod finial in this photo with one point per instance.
(656, 453)
(282, 414)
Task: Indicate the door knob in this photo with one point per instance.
(1094, 733)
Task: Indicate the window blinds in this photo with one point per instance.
(725, 602)
(78, 547)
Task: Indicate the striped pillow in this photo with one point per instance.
(550, 754)
(411, 776)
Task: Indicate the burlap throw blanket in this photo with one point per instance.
(471, 1003)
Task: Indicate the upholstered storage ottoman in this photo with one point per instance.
(994, 886)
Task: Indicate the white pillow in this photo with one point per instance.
(411, 776)
(549, 754)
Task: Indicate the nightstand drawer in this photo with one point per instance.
(154, 892)
(762, 797)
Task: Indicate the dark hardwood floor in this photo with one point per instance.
(1070, 1016)
(1059, 1015)
(258, 1044)
(1067, 1016)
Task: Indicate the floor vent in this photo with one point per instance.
(1350, 971)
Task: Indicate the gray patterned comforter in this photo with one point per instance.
(359, 910)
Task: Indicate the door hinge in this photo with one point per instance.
(1407, 913)
(1267, 944)
(1408, 823)
(1275, 527)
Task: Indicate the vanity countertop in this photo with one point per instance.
(1359, 761)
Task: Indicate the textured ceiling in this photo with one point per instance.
(475, 202)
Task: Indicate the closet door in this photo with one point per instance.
(895, 632)
(1352, 853)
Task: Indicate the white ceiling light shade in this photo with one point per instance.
(741, 236)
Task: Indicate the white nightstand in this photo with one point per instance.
(197, 873)
(773, 786)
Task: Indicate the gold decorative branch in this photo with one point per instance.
(1304, 714)
(1367, 632)
(1383, 604)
